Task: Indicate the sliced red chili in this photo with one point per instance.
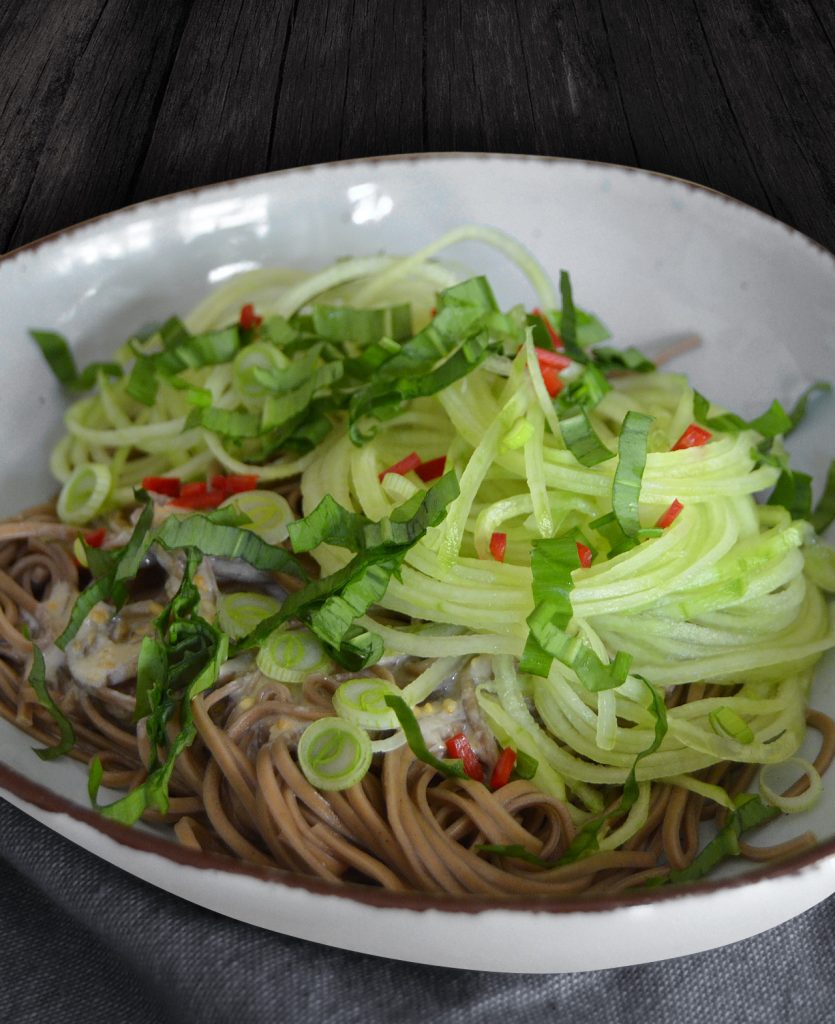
(193, 489)
(205, 499)
(503, 767)
(585, 555)
(235, 483)
(249, 318)
(670, 515)
(168, 485)
(404, 466)
(694, 437)
(551, 379)
(431, 469)
(95, 538)
(459, 746)
(556, 340)
(556, 359)
(498, 546)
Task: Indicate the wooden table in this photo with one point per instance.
(106, 102)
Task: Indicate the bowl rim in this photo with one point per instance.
(147, 842)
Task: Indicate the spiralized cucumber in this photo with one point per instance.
(730, 598)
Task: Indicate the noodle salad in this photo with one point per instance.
(357, 575)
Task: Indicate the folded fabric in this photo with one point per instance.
(83, 941)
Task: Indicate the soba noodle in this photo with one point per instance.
(722, 624)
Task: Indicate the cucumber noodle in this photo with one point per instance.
(723, 612)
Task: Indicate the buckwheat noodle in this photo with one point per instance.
(236, 791)
(239, 789)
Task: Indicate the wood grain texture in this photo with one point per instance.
(91, 154)
(675, 104)
(782, 91)
(38, 56)
(352, 82)
(477, 90)
(103, 102)
(576, 96)
(219, 100)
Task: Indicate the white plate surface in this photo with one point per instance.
(653, 256)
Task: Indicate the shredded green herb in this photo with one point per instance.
(59, 356)
(632, 457)
(825, 509)
(450, 767)
(37, 680)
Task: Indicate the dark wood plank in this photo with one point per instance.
(782, 91)
(39, 49)
(678, 114)
(574, 91)
(308, 117)
(477, 95)
(217, 112)
(352, 82)
(383, 108)
(89, 160)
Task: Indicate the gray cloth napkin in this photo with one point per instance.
(84, 942)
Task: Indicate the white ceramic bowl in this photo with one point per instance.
(653, 256)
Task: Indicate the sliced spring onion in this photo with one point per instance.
(628, 359)
(726, 722)
(798, 411)
(574, 652)
(568, 321)
(362, 326)
(750, 812)
(552, 562)
(37, 680)
(775, 420)
(792, 804)
(363, 702)
(259, 356)
(291, 655)
(589, 329)
(582, 440)
(84, 493)
(334, 754)
(79, 552)
(452, 768)
(398, 488)
(518, 435)
(239, 613)
(59, 355)
(584, 391)
(269, 514)
(632, 457)
(213, 536)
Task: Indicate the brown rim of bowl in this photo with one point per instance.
(41, 797)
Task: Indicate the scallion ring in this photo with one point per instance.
(268, 513)
(260, 356)
(239, 613)
(726, 722)
(792, 804)
(334, 754)
(84, 493)
(397, 487)
(363, 702)
(291, 655)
